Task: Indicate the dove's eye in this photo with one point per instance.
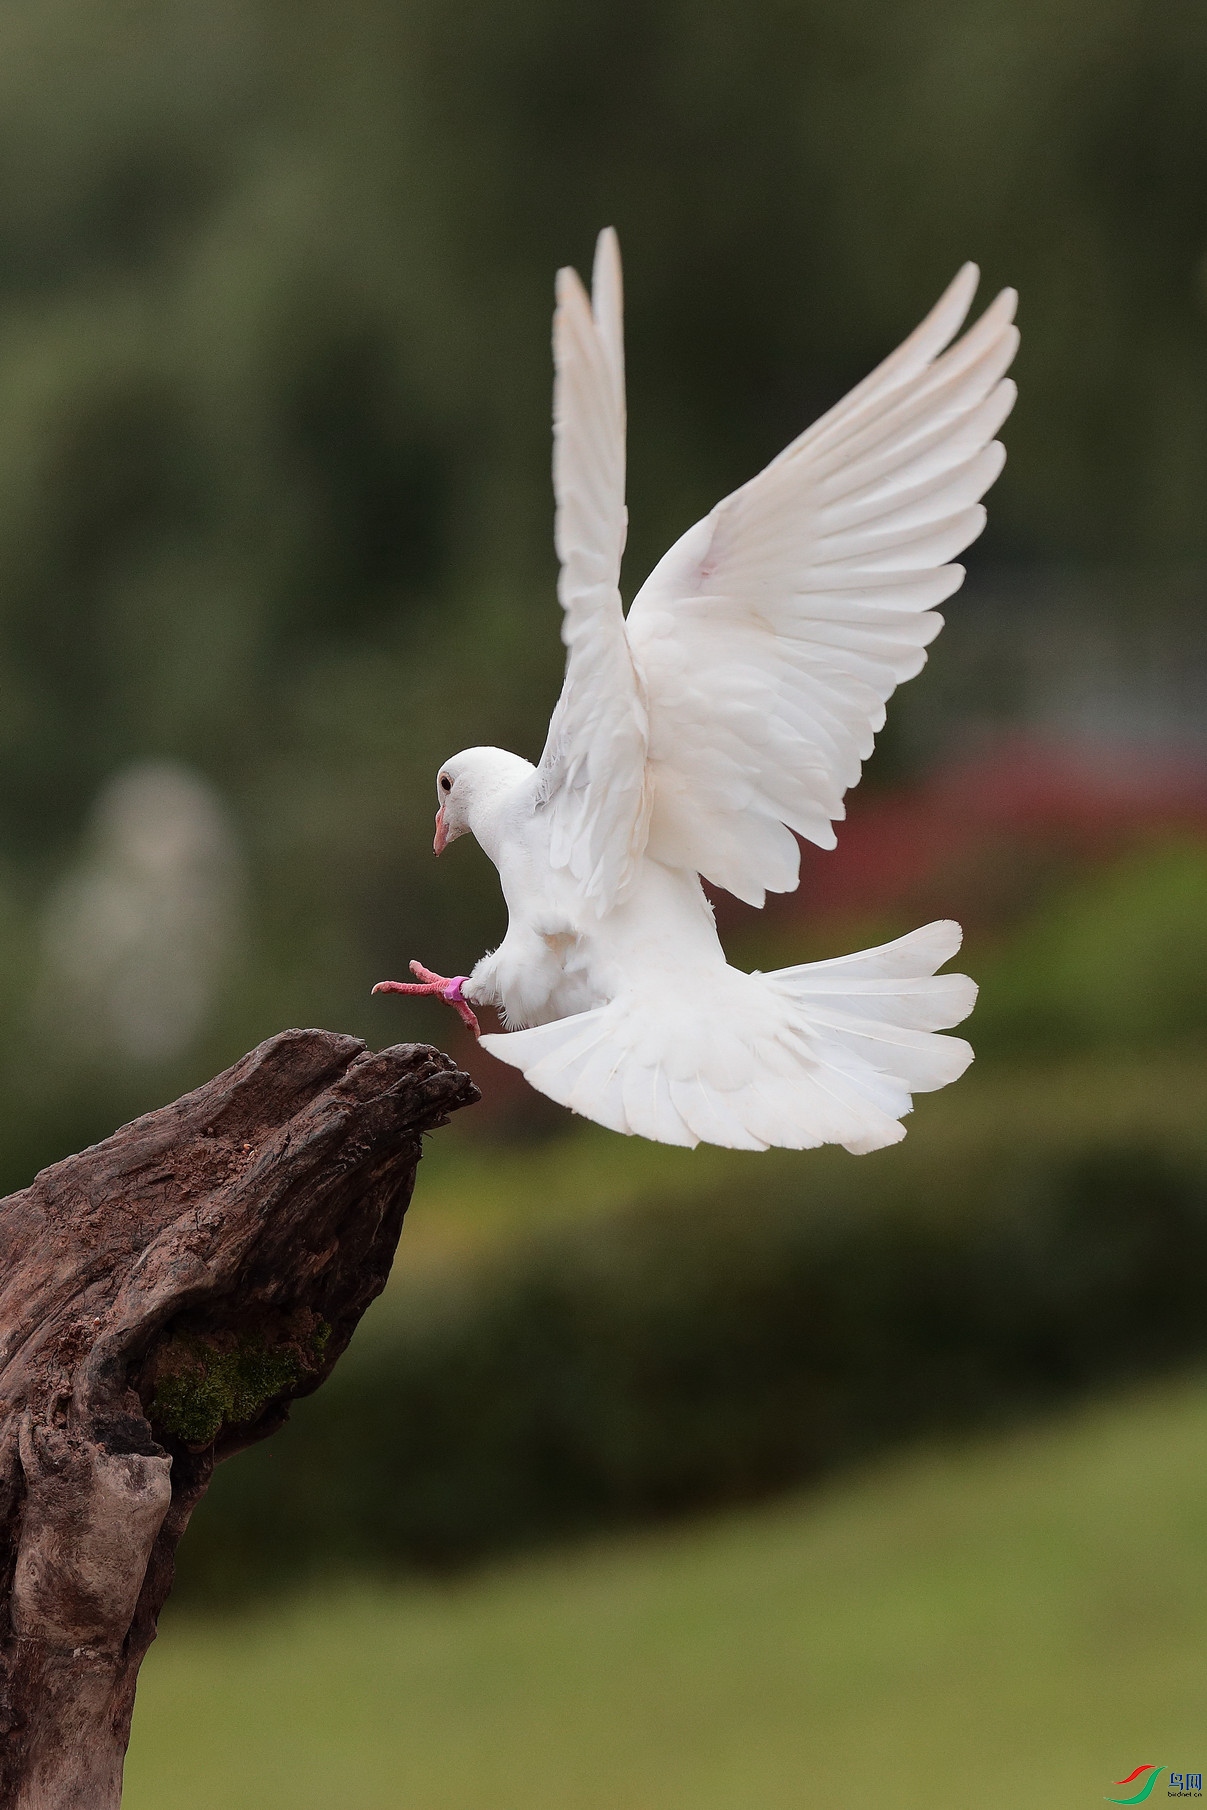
(446, 784)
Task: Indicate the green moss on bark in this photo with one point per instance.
(202, 1386)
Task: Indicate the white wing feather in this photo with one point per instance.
(772, 634)
(592, 775)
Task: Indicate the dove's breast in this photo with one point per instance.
(559, 958)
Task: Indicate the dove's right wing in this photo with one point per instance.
(771, 635)
(592, 774)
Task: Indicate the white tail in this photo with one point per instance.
(826, 1053)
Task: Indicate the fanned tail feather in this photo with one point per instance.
(826, 1053)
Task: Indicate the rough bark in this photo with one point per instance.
(164, 1296)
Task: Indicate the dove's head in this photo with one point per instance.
(468, 785)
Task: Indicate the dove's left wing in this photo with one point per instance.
(592, 774)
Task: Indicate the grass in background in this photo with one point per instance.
(1013, 1622)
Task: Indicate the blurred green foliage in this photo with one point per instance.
(1116, 959)
(274, 297)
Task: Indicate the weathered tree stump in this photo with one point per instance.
(164, 1297)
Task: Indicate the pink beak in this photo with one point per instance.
(441, 839)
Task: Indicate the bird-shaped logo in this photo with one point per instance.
(1145, 1791)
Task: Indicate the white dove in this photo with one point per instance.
(699, 736)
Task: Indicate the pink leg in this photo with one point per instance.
(448, 990)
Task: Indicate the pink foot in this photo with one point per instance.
(448, 990)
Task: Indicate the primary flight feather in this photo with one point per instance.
(698, 737)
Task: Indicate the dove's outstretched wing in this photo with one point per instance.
(592, 774)
(739, 701)
(771, 635)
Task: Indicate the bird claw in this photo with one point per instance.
(450, 991)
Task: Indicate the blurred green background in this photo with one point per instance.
(275, 288)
